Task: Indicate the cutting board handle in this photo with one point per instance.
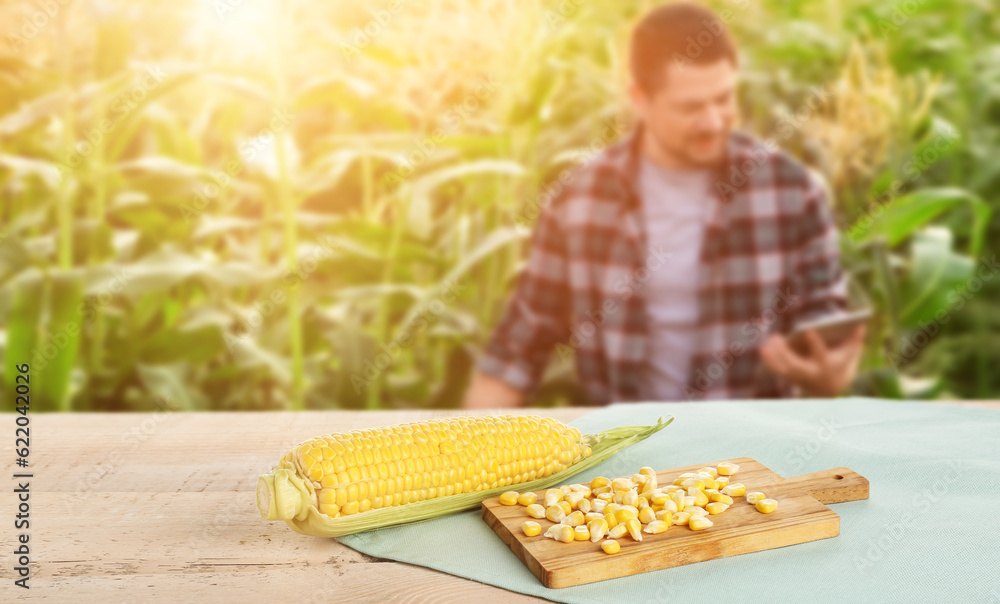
(830, 486)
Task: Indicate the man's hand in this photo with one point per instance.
(825, 372)
(487, 392)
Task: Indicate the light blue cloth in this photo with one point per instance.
(938, 463)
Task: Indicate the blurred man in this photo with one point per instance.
(671, 265)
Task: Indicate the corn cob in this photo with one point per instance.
(348, 482)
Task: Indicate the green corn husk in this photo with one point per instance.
(283, 495)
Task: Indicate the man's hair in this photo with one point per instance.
(678, 32)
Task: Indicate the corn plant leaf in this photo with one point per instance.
(936, 272)
(901, 218)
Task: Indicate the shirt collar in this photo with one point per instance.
(735, 153)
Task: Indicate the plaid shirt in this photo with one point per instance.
(770, 258)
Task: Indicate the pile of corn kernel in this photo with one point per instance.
(633, 505)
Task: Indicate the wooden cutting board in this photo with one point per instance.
(801, 516)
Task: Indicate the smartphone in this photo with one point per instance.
(834, 329)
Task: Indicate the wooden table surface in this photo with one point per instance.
(160, 507)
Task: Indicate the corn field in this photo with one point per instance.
(253, 204)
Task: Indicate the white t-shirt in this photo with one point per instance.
(676, 206)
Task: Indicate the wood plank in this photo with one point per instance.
(160, 507)
(800, 517)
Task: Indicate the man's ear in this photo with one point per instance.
(640, 102)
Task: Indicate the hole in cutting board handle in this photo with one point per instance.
(838, 477)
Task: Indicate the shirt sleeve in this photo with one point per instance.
(821, 281)
(538, 313)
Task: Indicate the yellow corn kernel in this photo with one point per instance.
(634, 528)
(612, 507)
(622, 484)
(509, 498)
(530, 528)
(536, 510)
(681, 518)
(574, 499)
(623, 514)
(693, 483)
(686, 475)
(766, 506)
(728, 468)
(618, 532)
(598, 529)
(678, 498)
(665, 515)
(598, 505)
(697, 523)
(555, 513)
(647, 471)
(722, 481)
(591, 516)
(611, 546)
(735, 489)
(574, 518)
(649, 486)
(561, 532)
(700, 498)
(599, 482)
(552, 497)
(527, 499)
(695, 510)
(711, 471)
(647, 515)
(753, 498)
(611, 519)
(721, 497)
(581, 533)
(655, 527)
(566, 507)
(585, 505)
(671, 506)
(710, 483)
(565, 488)
(659, 499)
(631, 498)
(639, 479)
(716, 507)
(606, 497)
